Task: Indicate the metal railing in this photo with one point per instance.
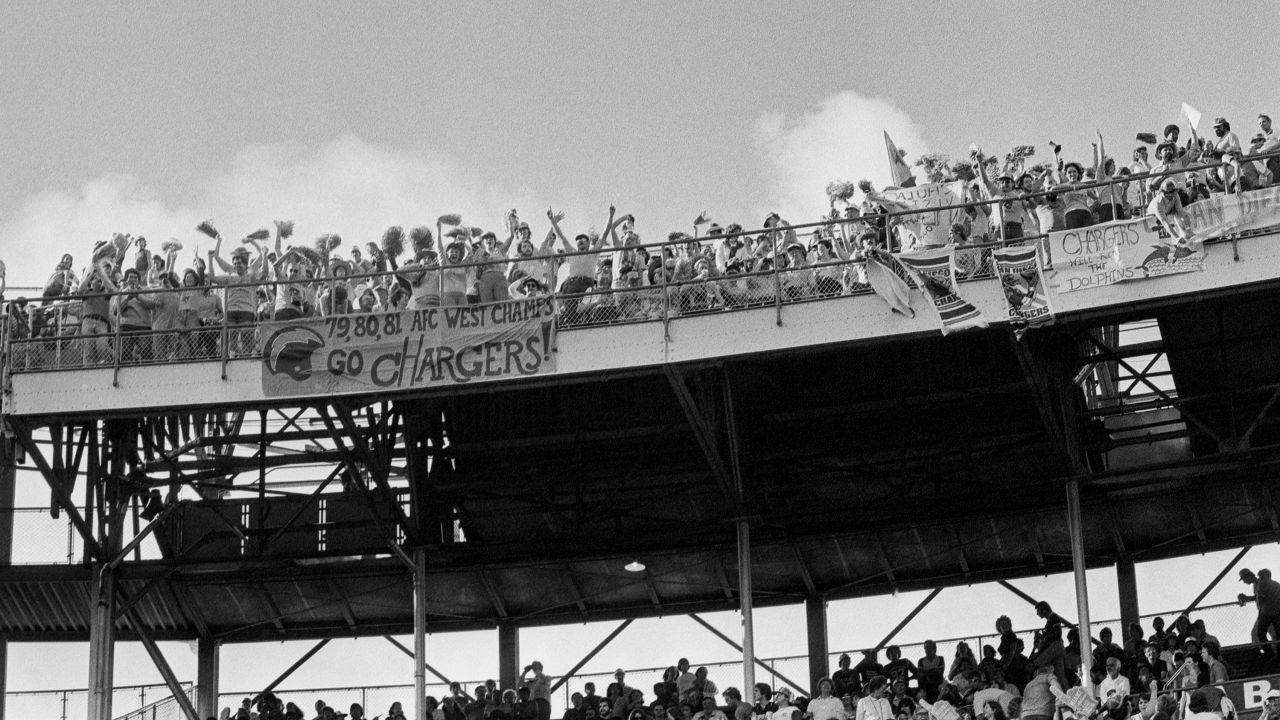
(129, 702)
(1230, 622)
(664, 283)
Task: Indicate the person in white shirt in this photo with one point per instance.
(875, 706)
(1271, 706)
(1114, 687)
(826, 706)
(1226, 144)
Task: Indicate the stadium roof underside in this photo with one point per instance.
(865, 468)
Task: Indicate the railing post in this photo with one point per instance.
(777, 282)
(226, 333)
(666, 293)
(116, 349)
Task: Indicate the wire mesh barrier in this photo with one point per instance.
(685, 276)
(132, 702)
(1229, 622)
(45, 540)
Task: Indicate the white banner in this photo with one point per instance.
(1109, 253)
(929, 228)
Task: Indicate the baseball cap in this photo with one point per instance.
(1273, 695)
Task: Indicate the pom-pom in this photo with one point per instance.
(326, 243)
(284, 228)
(262, 234)
(840, 190)
(1148, 138)
(866, 187)
(309, 254)
(459, 233)
(477, 232)
(421, 238)
(207, 228)
(702, 219)
(963, 170)
(103, 250)
(450, 219)
(393, 241)
(1023, 151)
(170, 245)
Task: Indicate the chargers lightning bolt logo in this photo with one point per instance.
(289, 351)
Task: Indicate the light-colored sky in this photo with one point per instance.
(348, 117)
(147, 117)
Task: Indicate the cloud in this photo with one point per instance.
(347, 186)
(841, 138)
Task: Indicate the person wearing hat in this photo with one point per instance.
(1270, 706)
(1266, 595)
(785, 710)
(1011, 211)
(1168, 160)
(1167, 207)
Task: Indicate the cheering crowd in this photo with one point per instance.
(163, 309)
(1168, 675)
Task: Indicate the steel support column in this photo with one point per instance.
(6, 539)
(1075, 529)
(1127, 583)
(748, 646)
(208, 655)
(102, 631)
(4, 663)
(420, 634)
(508, 654)
(815, 615)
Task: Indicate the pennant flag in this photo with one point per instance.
(935, 272)
(1025, 293)
(898, 168)
(1191, 115)
(888, 284)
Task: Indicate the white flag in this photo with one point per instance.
(1191, 115)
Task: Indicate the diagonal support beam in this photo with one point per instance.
(376, 469)
(594, 651)
(292, 668)
(23, 435)
(1214, 582)
(157, 657)
(910, 616)
(400, 646)
(730, 642)
(704, 433)
(1163, 395)
(491, 588)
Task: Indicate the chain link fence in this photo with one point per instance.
(45, 540)
(1230, 622)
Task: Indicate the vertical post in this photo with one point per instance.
(101, 643)
(4, 662)
(744, 599)
(1076, 530)
(419, 634)
(815, 615)
(208, 657)
(508, 655)
(1127, 583)
(777, 292)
